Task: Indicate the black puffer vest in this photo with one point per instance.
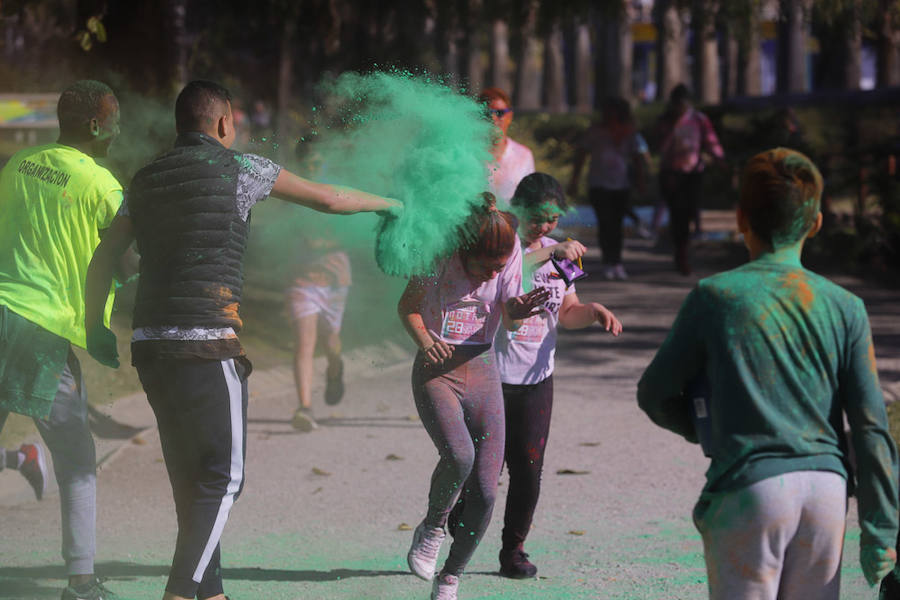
(190, 236)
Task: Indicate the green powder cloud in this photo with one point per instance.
(412, 138)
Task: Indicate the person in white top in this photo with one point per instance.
(512, 161)
(452, 315)
(525, 359)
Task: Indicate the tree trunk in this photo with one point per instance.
(177, 16)
(853, 47)
(751, 74)
(706, 51)
(888, 46)
(671, 42)
(625, 44)
(500, 55)
(582, 68)
(472, 59)
(792, 46)
(614, 55)
(448, 38)
(554, 70)
(732, 62)
(528, 69)
(285, 84)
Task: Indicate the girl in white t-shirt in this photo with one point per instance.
(453, 316)
(525, 359)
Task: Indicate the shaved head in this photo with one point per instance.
(79, 103)
(199, 106)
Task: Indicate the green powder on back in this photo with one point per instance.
(412, 138)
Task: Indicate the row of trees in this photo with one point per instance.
(550, 54)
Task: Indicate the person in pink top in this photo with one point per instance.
(685, 134)
(453, 316)
(512, 161)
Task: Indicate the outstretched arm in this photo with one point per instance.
(101, 342)
(328, 198)
(575, 315)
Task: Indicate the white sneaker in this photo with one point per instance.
(423, 553)
(303, 420)
(609, 273)
(445, 587)
(619, 272)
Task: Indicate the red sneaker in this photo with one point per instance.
(34, 468)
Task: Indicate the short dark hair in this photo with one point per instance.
(616, 109)
(489, 233)
(680, 93)
(195, 108)
(780, 194)
(537, 189)
(79, 103)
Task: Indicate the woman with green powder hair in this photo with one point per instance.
(452, 315)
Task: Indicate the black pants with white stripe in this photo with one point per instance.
(201, 410)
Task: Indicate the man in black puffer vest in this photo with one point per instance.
(189, 212)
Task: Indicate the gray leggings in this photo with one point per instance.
(71, 445)
(461, 405)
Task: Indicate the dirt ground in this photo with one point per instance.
(327, 515)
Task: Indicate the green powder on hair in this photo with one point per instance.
(413, 138)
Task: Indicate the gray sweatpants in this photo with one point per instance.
(779, 538)
(68, 437)
(461, 406)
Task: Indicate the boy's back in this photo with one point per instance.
(786, 354)
(783, 347)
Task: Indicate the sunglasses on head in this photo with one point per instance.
(499, 112)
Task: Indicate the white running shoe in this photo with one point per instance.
(423, 553)
(620, 273)
(445, 587)
(609, 273)
(303, 420)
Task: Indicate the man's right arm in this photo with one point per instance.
(101, 342)
(328, 198)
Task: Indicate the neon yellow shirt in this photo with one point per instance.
(54, 200)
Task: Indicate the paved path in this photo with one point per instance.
(326, 515)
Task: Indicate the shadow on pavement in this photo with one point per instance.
(20, 582)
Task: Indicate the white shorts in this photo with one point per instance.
(326, 301)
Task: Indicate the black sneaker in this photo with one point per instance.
(92, 590)
(334, 385)
(515, 564)
(890, 588)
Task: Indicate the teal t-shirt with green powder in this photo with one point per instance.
(785, 352)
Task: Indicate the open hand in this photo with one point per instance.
(572, 249)
(607, 319)
(527, 305)
(437, 352)
(876, 562)
(101, 344)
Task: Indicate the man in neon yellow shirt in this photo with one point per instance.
(56, 202)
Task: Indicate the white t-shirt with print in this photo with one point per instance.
(516, 162)
(461, 312)
(526, 356)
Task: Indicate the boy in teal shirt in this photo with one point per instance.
(786, 353)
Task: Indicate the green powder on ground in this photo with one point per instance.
(413, 138)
